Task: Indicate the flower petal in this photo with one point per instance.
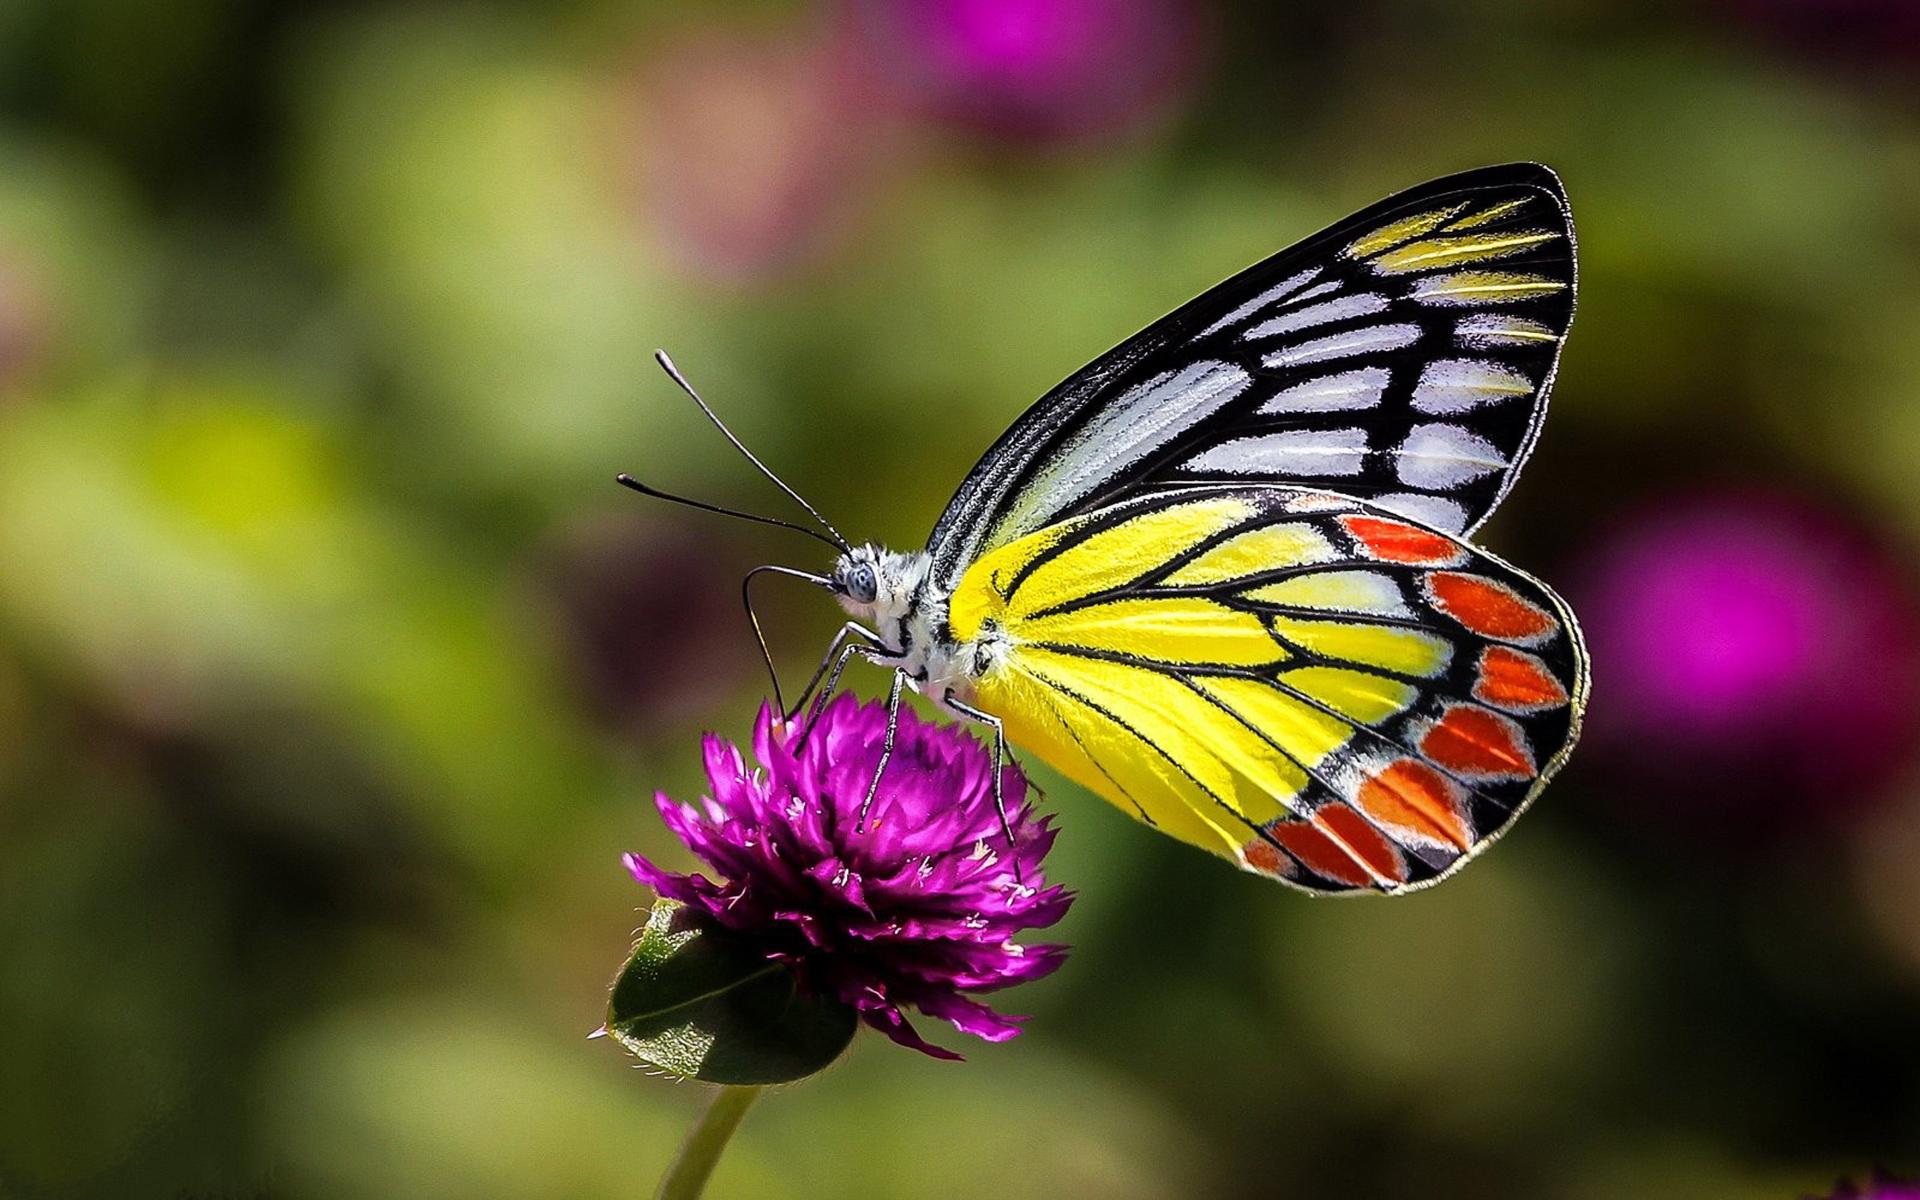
(894, 1024)
(971, 1016)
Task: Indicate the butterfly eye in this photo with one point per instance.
(861, 584)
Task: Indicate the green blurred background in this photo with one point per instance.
(336, 673)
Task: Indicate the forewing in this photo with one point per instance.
(1308, 684)
(1403, 355)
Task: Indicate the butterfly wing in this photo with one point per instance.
(1403, 354)
(1308, 684)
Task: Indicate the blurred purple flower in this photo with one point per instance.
(1065, 69)
(1881, 1187)
(918, 907)
(1756, 647)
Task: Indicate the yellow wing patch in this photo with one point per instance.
(1493, 212)
(1484, 287)
(1099, 561)
(1155, 760)
(1404, 651)
(1256, 550)
(1368, 699)
(1395, 232)
(1449, 236)
(1230, 775)
(1307, 734)
(1429, 253)
(1337, 591)
(1177, 630)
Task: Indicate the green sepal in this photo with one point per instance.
(701, 1003)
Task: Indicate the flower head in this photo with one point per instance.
(1770, 647)
(913, 907)
(1058, 70)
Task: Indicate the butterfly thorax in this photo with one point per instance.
(894, 595)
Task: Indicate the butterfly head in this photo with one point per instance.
(877, 585)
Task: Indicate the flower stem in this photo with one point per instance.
(687, 1177)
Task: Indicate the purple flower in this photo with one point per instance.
(1763, 651)
(916, 908)
(1054, 69)
(1881, 1187)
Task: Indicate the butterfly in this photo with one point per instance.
(1221, 575)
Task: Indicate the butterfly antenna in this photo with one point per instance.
(629, 481)
(673, 372)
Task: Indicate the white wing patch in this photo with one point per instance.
(1347, 591)
(1493, 331)
(1454, 385)
(1437, 511)
(1301, 453)
(1437, 457)
(1365, 340)
(1132, 428)
(1342, 309)
(1271, 296)
(1331, 393)
(1313, 293)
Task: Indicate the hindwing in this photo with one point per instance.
(1309, 684)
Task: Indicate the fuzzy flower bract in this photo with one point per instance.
(914, 909)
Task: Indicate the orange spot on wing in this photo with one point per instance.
(1262, 856)
(1415, 797)
(1362, 840)
(1474, 741)
(1399, 542)
(1488, 607)
(1319, 853)
(1516, 681)
(1338, 843)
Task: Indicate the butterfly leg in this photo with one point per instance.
(827, 660)
(873, 654)
(886, 747)
(999, 760)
